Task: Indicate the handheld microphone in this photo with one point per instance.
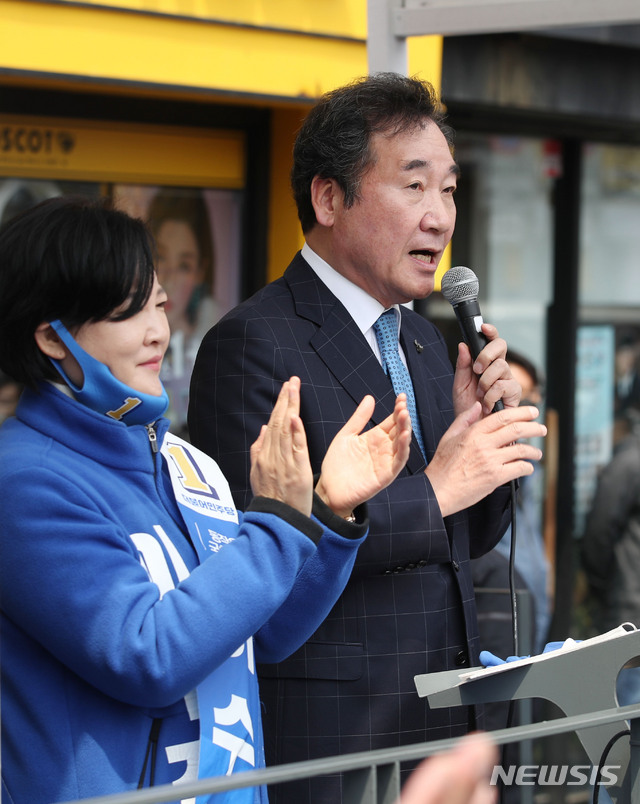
(460, 288)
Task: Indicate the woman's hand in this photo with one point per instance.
(358, 465)
(280, 466)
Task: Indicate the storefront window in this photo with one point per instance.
(504, 234)
(607, 381)
(607, 405)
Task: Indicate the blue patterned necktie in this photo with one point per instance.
(386, 329)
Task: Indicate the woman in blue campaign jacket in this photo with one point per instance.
(135, 598)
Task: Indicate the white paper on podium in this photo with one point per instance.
(567, 645)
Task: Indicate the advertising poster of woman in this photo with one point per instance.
(196, 234)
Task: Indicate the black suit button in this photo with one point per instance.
(456, 566)
(411, 566)
(462, 660)
(423, 562)
(399, 569)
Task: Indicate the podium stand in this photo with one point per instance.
(580, 680)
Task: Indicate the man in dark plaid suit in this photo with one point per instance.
(373, 178)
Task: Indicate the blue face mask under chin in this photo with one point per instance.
(102, 392)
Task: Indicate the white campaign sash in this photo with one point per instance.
(228, 700)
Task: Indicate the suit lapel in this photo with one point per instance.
(342, 347)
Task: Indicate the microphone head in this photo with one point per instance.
(460, 284)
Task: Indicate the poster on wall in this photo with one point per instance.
(593, 413)
(607, 403)
(197, 238)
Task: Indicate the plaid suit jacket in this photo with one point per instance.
(409, 605)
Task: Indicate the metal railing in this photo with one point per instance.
(373, 777)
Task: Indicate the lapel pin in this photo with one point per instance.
(419, 347)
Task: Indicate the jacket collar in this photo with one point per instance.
(54, 414)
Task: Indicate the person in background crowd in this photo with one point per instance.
(458, 776)
(627, 376)
(135, 597)
(611, 546)
(374, 179)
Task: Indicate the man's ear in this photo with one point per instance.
(326, 197)
(49, 342)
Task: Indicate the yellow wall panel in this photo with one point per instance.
(285, 232)
(425, 61)
(335, 17)
(111, 44)
(425, 58)
(115, 45)
(110, 152)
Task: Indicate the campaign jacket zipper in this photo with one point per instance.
(153, 438)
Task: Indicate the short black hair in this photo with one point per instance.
(69, 258)
(527, 365)
(334, 139)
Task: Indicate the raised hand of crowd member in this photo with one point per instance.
(458, 776)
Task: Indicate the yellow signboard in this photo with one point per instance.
(81, 150)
